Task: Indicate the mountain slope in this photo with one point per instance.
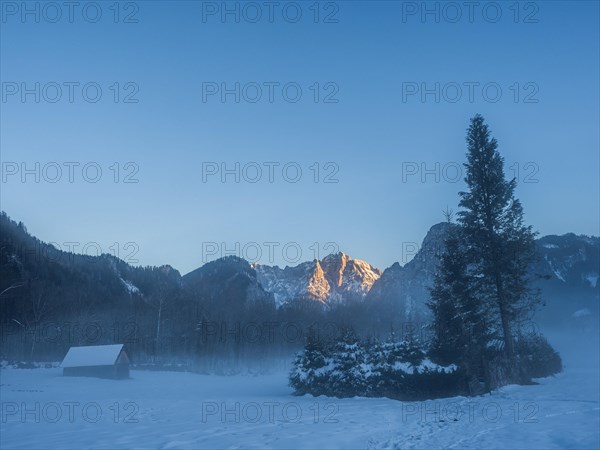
(572, 291)
(567, 275)
(227, 282)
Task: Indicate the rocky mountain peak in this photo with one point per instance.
(336, 277)
(334, 265)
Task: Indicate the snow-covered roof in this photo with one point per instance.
(92, 355)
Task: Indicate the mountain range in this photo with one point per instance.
(570, 290)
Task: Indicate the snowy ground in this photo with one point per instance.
(41, 409)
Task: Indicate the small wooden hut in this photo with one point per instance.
(102, 361)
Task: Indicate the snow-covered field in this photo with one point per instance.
(41, 409)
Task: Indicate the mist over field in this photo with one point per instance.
(324, 224)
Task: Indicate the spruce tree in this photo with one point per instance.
(450, 287)
(459, 328)
(500, 246)
(308, 373)
(348, 377)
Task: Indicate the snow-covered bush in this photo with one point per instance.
(400, 369)
(348, 375)
(311, 369)
(394, 369)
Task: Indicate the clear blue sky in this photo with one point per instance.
(369, 134)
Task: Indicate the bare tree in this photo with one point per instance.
(39, 310)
